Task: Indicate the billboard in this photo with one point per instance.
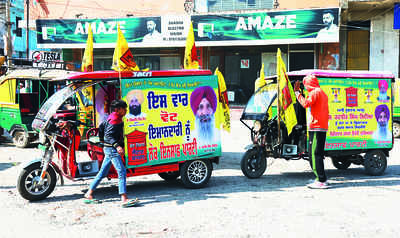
(256, 28)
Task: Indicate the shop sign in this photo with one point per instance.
(260, 28)
(244, 63)
(257, 28)
(164, 31)
(47, 59)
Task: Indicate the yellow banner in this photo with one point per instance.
(87, 61)
(286, 95)
(191, 61)
(123, 58)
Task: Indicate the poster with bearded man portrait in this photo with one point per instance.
(203, 102)
(134, 100)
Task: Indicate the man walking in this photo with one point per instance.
(114, 152)
(317, 102)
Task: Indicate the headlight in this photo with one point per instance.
(257, 125)
(42, 138)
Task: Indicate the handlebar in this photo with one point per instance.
(76, 123)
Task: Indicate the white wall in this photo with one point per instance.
(384, 45)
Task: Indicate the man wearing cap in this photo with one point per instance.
(382, 115)
(203, 102)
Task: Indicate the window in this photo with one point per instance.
(232, 5)
(18, 29)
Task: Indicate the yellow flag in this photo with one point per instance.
(87, 60)
(261, 80)
(123, 58)
(223, 103)
(286, 95)
(191, 61)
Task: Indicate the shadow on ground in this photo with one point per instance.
(156, 191)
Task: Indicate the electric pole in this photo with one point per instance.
(9, 40)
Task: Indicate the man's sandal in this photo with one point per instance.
(130, 203)
(92, 201)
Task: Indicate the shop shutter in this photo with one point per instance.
(358, 50)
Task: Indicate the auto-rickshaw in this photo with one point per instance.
(396, 109)
(164, 132)
(360, 122)
(22, 92)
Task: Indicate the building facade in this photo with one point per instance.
(368, 38)
(235, 35)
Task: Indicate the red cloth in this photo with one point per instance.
(114, 118)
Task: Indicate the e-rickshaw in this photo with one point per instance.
(396, 109)
(163, 132)
(22, 92)
(360, 122)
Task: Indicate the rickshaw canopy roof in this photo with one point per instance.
(338, 74)
(34, 74)
(114, 75)
(343, 73)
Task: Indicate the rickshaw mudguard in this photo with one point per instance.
(251, 146)
(52, 165)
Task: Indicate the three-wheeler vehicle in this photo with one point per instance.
(167, 130)
(22, 92)
(360, 122)
(396, 109)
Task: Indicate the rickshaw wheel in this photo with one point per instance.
(396, 129)
(196, 173)
(20, 139)
(341, 163)
(169, 176)
(252, 166)
(375, 162)
(27, 182)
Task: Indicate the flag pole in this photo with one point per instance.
(278, 94)
(119, 57)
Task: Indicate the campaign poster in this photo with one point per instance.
(329, 56)
(360, 115)
(170, 119)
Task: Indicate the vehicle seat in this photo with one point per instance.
(94, 145)
(26, 103)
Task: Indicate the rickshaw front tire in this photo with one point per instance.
(22, 184)
(189, 175)
(375, 162)
(252, 166)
